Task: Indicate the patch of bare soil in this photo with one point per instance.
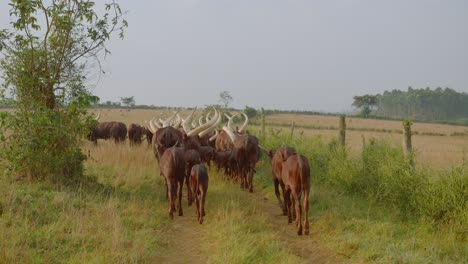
(183, 239)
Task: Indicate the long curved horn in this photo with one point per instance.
(204, 126)
(177, 121)
(215, 136)
(231, 134)
(156, 123)
(230, 120)
(167, 121)
(245, 123)
(200, 121)
(186, 121)
(194, 123)
(208, 130)
(152, 127)
(98, 116)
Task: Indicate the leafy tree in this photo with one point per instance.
(128, 101)
(366, 103)
(225, 98)
(45, 56)
(250, 111)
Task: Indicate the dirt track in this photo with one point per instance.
(188, 232)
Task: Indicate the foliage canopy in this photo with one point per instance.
(48, 52)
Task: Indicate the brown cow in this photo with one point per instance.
(172, 168)
(296, 178)
(223, 142)
(135, 132)
(165, 138)
(106, 130)
(191, 157)
(149, 135)
(207, 154)
(280, 156)
(199, 187)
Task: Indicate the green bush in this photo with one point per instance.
(44, 143)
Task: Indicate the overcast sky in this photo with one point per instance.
(296, 54)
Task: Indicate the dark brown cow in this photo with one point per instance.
(199, 187)
(296, 177)
(149, 136)
(205, 140)
(191, 157)
(225, 160)
(165, 138)
(135, 132)
(172, 168)
(207, 154)
(247, 154)
(280, 156)
(106, 130)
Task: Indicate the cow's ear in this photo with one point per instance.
(270, 154)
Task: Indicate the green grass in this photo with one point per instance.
(365, 209)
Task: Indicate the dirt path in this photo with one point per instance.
(183, 239)
(309, 248)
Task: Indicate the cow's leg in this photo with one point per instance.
(179, 197)
(171, 200)
(250, 179)
(277, 193)
(285, 210)
(306, 212)
(189, 193)
(296, 196)
(197, 205)
(202, 206)
(286, 207)
(287, 199)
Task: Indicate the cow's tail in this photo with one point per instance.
(303, 170)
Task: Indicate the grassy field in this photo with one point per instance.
(118, 214)
(431, 148)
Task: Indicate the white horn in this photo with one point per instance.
(245, 123)
(231, 135)
(204, 126)
(178, 121)
(208, 130)
(230, 120)
(168, 121)
(186, 121)
(152, 127)
(98, 116)
(214, 136)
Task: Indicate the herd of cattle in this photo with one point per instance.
(182, 146)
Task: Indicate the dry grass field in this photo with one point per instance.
(431, 148)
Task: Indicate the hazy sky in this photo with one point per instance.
(296, 54)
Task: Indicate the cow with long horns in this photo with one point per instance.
(108, 130)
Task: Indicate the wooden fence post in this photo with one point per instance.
(292, 129)
(263, 123)
(342, 138)
(408, 148)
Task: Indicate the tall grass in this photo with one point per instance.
(381, 180)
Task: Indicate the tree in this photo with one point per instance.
(128, 101)
(46, 54)
(365, 102)
(250, 111)
(225, 98)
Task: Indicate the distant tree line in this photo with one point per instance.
(418, 104)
